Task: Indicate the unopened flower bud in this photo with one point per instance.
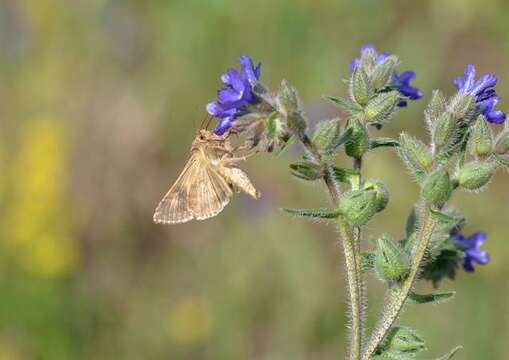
(391, 261)
(326, 133)
(289, 107)
(382, 107)
(358, 206)
(382, 73)
(358, 143)
(381, 191)
(444, 129)
(416, 152)
(474, 175)
(437, 187)
(435, 108)
(361, 88)
(462, 105)
(481, 138)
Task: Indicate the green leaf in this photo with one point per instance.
(446, 219)
(323, 213)
(451, 353)
(345, 175)
(401, 343)
(381, 142)
(411, 222)
(414, 298)
(287, 145)
(344, 104)
(344, 138)
(307, 171)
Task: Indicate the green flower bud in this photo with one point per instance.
(358, 206)
(382, 107)
(382, 73)
(480, 142)
(502, 145)
(474, 175)
(277, 130)
(435, 107)
(326, 134)
(289, 106)
(462, 106)
(391, 261)
(444, 129)
(416, 152)
(381, 191)
(358, 143)
(437, 187)
(361, 88)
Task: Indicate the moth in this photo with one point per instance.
(207, 183)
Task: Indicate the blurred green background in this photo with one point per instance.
(100, 101)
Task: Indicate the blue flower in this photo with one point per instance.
(399, 82)
(471, 246)
(235, 95)
(483, 90)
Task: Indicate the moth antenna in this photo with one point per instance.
(203, 121)
(208, 122)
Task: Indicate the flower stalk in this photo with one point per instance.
(396, 298)
(350, 242)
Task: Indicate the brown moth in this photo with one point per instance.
(207, 182)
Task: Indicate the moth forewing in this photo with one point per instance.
(173, 208)
(209, 194)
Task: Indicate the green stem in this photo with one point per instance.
(357, 165)
(349, 247)
(397, 297)
(348, 241)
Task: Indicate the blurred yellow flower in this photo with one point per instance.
(190, 321)
(37, 225)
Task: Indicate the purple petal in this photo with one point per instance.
(381, 57)
(406, 76)
(228, 95)
(367, 47)
(354, 64)
(248, 69)
(484, 83)
(223, 126)
(214, 108)
(496, 116)
(468, 78)
(479, 256)
(467, 265)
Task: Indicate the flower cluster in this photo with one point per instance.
(236, 94)
(471, 246)
(483, 90)
(400, 82)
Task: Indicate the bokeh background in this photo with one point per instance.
(100, 100)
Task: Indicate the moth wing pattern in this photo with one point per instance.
(239, 180)
(174, 208)
(210, 193)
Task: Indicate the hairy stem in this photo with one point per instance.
(357, 165)
(396, 298)
(349, 242)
